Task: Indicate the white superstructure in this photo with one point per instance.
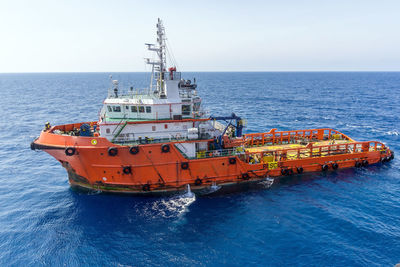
(169, 109)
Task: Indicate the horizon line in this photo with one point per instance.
(201, 71)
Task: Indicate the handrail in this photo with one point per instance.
(119, 131)
(319, 151)
(274, 136)
(124, 118)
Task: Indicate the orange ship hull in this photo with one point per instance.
(152, 168)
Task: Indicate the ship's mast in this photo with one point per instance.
(158, 66)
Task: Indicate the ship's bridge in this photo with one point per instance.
(180, 102)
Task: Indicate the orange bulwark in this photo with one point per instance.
(159, 166)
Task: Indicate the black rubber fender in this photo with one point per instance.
(358, 164)
(300, 170)
(112, 151)
(245, 176)
(127, 170)
(335, 165)
(232, 160)
(365, 163)
(69, 151)
(146, 187)
(165, 148)
(325, 167)
(134, 150)
(198, 181)
(185, 165)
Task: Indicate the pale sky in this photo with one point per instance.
(109, 36)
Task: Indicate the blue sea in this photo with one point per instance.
(344, 218)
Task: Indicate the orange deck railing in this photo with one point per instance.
(281, 137)
(314, 151)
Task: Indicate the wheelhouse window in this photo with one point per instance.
(109, 109)
(185, 109)
(133, 108)
(148, 109)
(141, 109)
(116, 108)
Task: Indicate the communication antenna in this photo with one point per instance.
(158, 66)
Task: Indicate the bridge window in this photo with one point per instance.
(141, 109)
(108, 130)
(134, 108)
(116, 108)
(153, 128)
(109, 108)
(185, 109)
(148, 109)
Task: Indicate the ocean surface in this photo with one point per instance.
(344, 218)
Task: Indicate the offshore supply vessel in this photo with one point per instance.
(160, 140)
